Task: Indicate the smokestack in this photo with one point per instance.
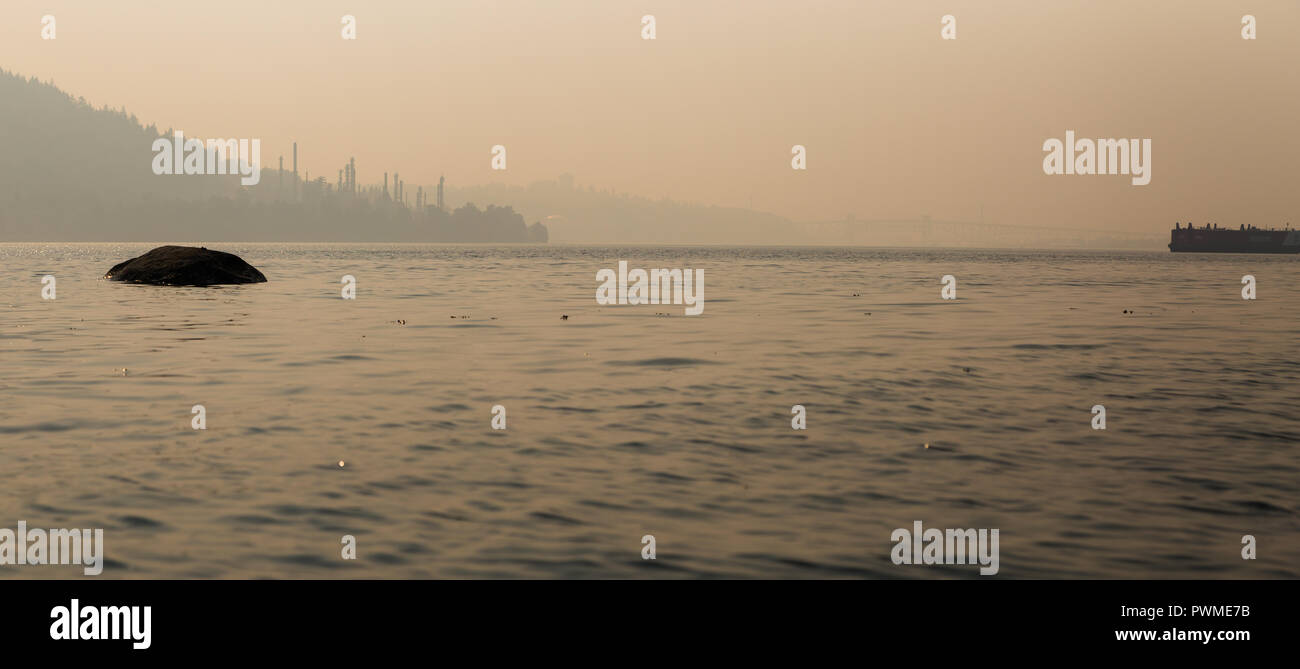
(385, 185)
(441, 180)
(296, 191)
(352, 174)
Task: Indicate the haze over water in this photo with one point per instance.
(623, 422)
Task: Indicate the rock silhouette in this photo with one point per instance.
(185, 266)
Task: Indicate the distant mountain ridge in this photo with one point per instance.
(57, 146)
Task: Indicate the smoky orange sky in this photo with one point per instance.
(897, 122)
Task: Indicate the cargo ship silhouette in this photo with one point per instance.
(1246, 239)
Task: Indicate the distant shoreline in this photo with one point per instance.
(571, 244)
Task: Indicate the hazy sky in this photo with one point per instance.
(897, 122)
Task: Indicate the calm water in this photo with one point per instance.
(623, 423)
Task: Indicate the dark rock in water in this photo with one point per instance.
(185, 266)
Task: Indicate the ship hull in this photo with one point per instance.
(1215, 240)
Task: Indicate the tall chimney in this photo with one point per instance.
(296, 190)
